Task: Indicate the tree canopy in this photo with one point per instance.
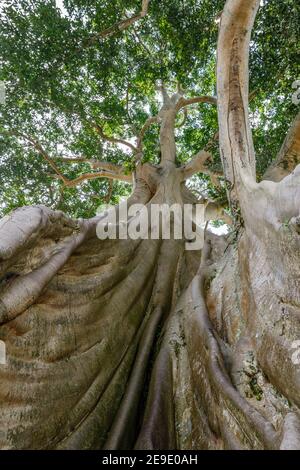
(81, 81)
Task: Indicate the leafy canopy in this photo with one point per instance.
(61, 76)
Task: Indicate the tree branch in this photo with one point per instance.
(183, 102)
(236, 145)
(197, 165)
(113, 140)
(109, 192)
(95, 164)
(99, 129)
(136, 36)
(120, 26)
(92, 176)
(148, 123)
(116, 171)
(215, 211)
(109, 170)
(289, 155)
(185, 115)
(37, 146)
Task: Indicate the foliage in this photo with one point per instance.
(60, 79)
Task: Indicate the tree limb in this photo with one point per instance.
(185, 115)
(116, 171)
(99, 129)
(183, 102)
(289, 155)
(95, 164)
(136, 36)
(197, 165)
(148, 123)
(92, 176)
(109, 192)
(236, 145)
(113, 140)
(109, 170)
(120, 26)
(37, 146)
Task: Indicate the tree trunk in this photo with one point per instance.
(121, 344)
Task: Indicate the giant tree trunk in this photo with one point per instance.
(140, 343)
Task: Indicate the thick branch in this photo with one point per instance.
(183, 102)
(236, 145)
(121, 25)
(215, 211)
(101, 174)
(198, 165)
(289, 155)
(95, 164)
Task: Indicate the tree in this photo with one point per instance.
(140, 343)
